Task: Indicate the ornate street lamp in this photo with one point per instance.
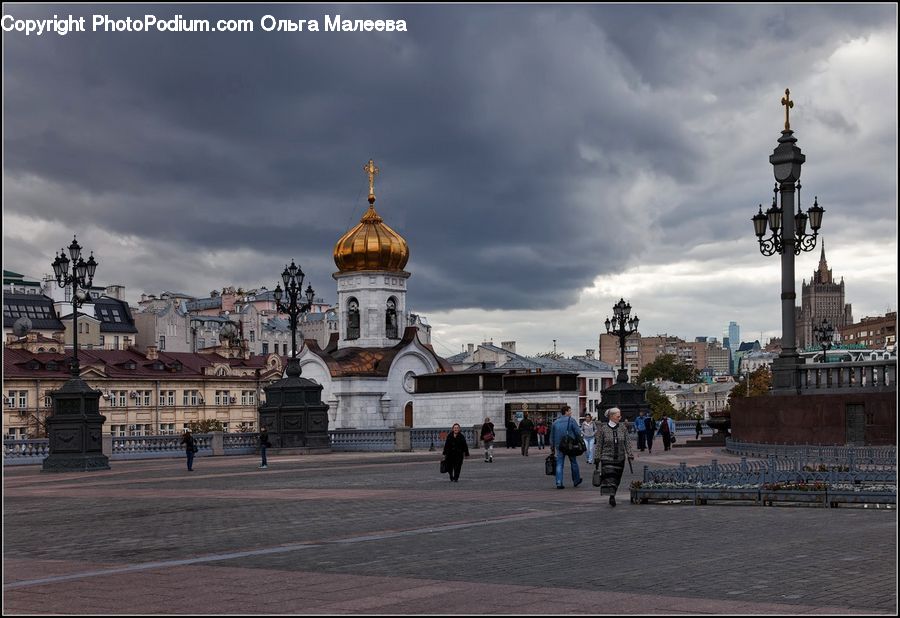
(75, 428)
(787, 240)
(622, 326)
(294, 413)
(293, 276)
(82, 276)
(824, 334)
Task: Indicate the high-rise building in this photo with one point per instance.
(734, 335)
(822, 298)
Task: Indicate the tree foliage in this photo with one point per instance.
(659, 404)
(668, 367)
(206, 425)
(760, 383)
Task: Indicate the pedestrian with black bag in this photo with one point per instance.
(613, 447)
(455, 449)
(565, 437)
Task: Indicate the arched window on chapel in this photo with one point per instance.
(353, 319)
(390, 319)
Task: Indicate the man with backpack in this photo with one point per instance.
(564, 433)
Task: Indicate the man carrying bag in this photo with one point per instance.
(566, 431)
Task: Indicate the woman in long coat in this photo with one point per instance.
(612, 447)
(455, 448)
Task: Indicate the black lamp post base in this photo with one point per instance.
(75, 463)
(629, 398)
(75, 430)
(785, 375)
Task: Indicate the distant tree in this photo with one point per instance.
(659, 403)
(760, 383)
(668, 367)
(690, 414)
(206, 426)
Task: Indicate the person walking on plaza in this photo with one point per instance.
(511, 433)
(650, 431)
(455, 449)
(487, 438)
(640, 425)
(563, 426)
(541, 431)
(263, 445)
(589, 430)
(698, 429)
(190, 447)
(525, 429)
(666, 430)
(613, 446)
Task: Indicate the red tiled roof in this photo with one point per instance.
(113, 364)
(374, 362)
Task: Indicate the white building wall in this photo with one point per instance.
(371, 289)
(467, 408)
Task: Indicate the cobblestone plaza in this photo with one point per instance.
(386, 533)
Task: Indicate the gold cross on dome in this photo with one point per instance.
(372, 171)
(788, 104)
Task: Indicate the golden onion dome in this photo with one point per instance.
(371, 245)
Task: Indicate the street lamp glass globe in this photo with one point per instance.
(75, 250)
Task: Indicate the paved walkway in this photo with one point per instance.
(385, 533)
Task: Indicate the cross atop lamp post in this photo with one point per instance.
(622, 326)
(293, 276)
(824, 334)
(82, 276)
(787, 240)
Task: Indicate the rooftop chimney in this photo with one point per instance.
(471, 348)
(589, 353)
(509, 346)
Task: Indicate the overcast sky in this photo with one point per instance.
(541, 161)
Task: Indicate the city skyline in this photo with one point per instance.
(541, 162)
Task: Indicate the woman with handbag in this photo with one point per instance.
(613, 446)
(487, 438)
(455, 448)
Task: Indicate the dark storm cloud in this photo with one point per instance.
(509, 138)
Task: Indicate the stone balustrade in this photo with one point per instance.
(849, 377)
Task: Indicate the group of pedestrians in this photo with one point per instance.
(647, 428)
(608, 446)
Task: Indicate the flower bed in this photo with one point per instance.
(767, 494)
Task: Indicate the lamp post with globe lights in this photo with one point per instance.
(293, 276)
(622, 326)
(824, 334)
(788, 240)
(75, 428)
(81, 276)
(294, 415)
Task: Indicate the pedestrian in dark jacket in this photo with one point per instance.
(190, 448)
(526, 426)
(263, 445)
(698, 429)
(650, 424)
(455, 448)
(666, 430)
(512, 434)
